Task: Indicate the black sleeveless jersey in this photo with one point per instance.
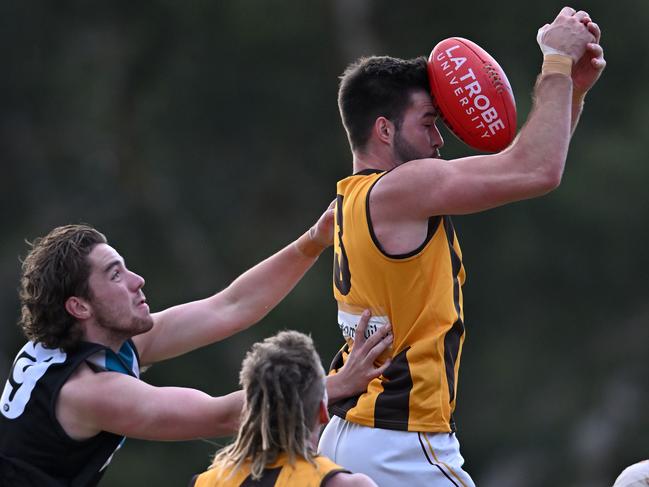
(34, 448)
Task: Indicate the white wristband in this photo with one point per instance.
(545, 49)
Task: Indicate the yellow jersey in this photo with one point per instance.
(278, 474)
(420, 293)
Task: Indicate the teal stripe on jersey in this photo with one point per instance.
(127, 354)
(114, 364)
(122, 361)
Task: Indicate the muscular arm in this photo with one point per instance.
(92, 402)
(244, 302)
(577, 108)
(530, 167)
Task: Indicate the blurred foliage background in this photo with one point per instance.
(202, 136)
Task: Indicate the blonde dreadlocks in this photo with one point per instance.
(283, 381)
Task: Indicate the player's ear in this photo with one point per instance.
(324, 412)
(384, 130)
(78, 308)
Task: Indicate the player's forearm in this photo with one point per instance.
(127, 406)
(542, 146)
(206, 416)
(247, 300)
(577, 108)
(338, 388)
(182, 414)
(261, 288)
(257, 291)
(226, 412)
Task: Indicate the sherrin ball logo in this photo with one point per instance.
(472, 94)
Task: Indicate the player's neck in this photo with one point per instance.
(95, 333)
(373, 159)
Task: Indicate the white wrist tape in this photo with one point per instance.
(545, 49)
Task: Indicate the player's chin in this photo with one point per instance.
(142, 312)
(142, 324)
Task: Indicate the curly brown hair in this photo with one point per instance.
(56, 268)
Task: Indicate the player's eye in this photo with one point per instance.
(430, 122)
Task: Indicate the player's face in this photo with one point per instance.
(117, 300)
(417, 137)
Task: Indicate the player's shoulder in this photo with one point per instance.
(343, 479)
(79, 378)
(401, 191)
(428, 169)
(84, 383)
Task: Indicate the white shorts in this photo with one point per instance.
(396, 458)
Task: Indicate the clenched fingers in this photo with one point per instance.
(566, 12)
(594, 29)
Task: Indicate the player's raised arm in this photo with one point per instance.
(586, 71)
(533, 165)
(244, 302)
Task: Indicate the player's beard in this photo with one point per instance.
(404, 151)
(123, 327)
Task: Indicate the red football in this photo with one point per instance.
(472, 94)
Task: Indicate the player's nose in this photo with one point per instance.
(437, 141)
(137, 281)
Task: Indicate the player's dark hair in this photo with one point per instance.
(377, 86)
(56, 268)
(283, 381)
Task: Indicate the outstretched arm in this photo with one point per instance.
(91, 402)
(244, 302)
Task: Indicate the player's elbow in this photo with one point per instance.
(540, 184)
(544, 170)
(550, 178)
(543, 165)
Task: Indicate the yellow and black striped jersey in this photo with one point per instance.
(278, 474)
(420, 293)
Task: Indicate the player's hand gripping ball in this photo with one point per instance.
(472, 94)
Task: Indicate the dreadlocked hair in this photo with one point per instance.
(283, 381)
